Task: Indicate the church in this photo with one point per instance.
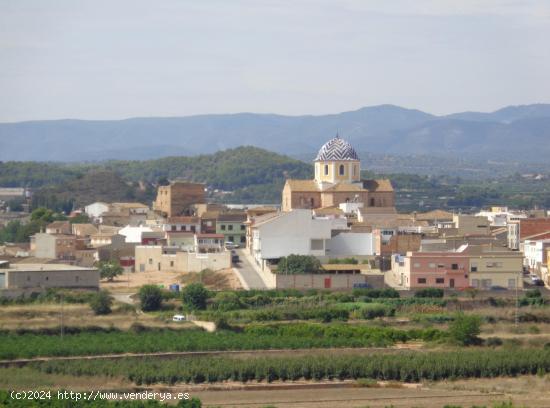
(337, 180)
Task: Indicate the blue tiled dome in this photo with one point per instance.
(337, 149)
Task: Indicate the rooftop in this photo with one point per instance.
(337, 149)
(18, 267)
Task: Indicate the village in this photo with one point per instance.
(350, 226)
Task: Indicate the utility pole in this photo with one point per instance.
(62, 316)
(517, 301)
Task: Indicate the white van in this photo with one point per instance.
(178, 318)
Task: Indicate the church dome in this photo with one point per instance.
(336, 149)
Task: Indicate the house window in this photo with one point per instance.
(223, 227)
(421, 280)
(230, 227)
(243, 239)
(431, 265)
(173, 227)
(150, 261)
(242, 227)
(326, 169)
(475, 283)
(354, 170)
(317, 245)
(439, 280)
(441, 266)
(342, 170)
(142, 267)
(372, 202)
(231, 238)
(416, 265)
(454, 266)
(171, 263)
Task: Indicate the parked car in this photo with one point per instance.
(230, 245)
(538, 282)
(179, 318)
(534, 278)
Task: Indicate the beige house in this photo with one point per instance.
(21, 278)
(471, 225)
(337, 180)
(178, 198)
(59, 227)
(153, 258)
(498, 268)
(54, 246)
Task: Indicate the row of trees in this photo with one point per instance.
(401, 366)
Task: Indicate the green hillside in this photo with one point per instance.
(249, 173)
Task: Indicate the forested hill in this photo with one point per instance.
(252, 174)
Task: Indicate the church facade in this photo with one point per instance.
(337, 180)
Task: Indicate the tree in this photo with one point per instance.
(465, 329)
(194, 296)
(109, 270)
(298, 264)
(101, 303)
(150, 297)
(80, 219)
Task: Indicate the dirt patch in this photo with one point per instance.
(224, 279)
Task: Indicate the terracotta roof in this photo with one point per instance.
(235, 217)
(129, 205)
(435, 215)
(85, 229)
(377, 185)
(345, 187)
(302, 185)
(58, 224)
(210, 214)
(328, 211)
(262, 219)
(183, 220)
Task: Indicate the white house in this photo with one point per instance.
(95, 210)
(293, 232)
(134, 234)
(534, 252)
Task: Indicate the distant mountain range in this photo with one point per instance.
(515, 133)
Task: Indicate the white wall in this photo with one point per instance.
(94, 210)
(350, 243)
(290, 233)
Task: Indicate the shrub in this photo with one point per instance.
(150, 297)
(194, 296)
(493, 342)
(101, 303)
(226, 301)
(429, 293)
(465, 329)
(298, 264)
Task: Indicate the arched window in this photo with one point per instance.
(326, 169)
(342, 169)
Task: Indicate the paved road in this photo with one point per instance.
(248, 272)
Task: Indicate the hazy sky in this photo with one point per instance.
(125, 58)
